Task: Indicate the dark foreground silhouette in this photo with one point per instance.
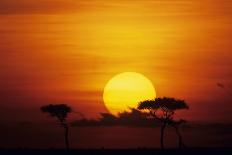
(150, 113)
(163, 109)
(59, 111)
(192, 151)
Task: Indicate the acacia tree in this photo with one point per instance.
(176, 125)
(59, 111)
(163, 109)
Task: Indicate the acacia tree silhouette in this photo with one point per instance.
(60, 111)
(163, 109)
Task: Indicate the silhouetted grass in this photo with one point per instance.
(142, 151)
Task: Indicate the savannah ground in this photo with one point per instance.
(48, 135)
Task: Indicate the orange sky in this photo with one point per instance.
(66, 51)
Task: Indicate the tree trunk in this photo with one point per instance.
(179, 137)
(162, 135)
(66, 136)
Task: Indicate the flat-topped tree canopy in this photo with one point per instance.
(59, 111)
(167, 103)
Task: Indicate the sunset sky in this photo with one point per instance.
(65, 51)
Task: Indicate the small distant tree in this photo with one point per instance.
(59, 111)
(163, 109)
(176, 126)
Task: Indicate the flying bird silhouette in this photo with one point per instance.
(226, 89)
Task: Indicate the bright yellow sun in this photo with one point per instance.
(125, 90)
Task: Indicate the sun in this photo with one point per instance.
(125, 90)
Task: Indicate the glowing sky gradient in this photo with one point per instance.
(66, 51)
